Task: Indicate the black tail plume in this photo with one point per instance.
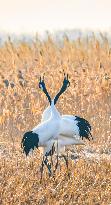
(29, 141)
(84, 128)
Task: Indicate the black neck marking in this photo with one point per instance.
(47, 95)
(62, 90)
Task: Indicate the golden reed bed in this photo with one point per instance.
(88, 64)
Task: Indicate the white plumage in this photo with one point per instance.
(55, 130)
(43, 132)
(41, 135)
(72, 128)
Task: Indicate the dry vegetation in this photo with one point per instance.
(21, 105)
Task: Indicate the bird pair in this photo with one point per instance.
(55, 131)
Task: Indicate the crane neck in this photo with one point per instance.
(54, 111)
(47, 95)
(62, 90)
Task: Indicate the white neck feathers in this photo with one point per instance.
(54, 112)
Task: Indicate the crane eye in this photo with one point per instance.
(40, 86)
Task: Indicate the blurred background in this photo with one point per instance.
(22, 17)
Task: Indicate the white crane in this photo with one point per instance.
(41, 135)
(77, 126)
(72, 128)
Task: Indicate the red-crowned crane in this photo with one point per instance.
(72, 128)
(46, 133)
(41, 135)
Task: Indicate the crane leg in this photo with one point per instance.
(48, 166)
(57, 159)
(45, 162)
(52, 152)
(57, 162)
(67, 163)
(42, 168)
(66, 160)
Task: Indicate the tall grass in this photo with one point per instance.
(21, 105)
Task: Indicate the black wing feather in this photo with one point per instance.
(84, 128)
(30, 141)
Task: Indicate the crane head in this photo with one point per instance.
(42, 83)
(66, 82)
(43, 88)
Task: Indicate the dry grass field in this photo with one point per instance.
(88, 64)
